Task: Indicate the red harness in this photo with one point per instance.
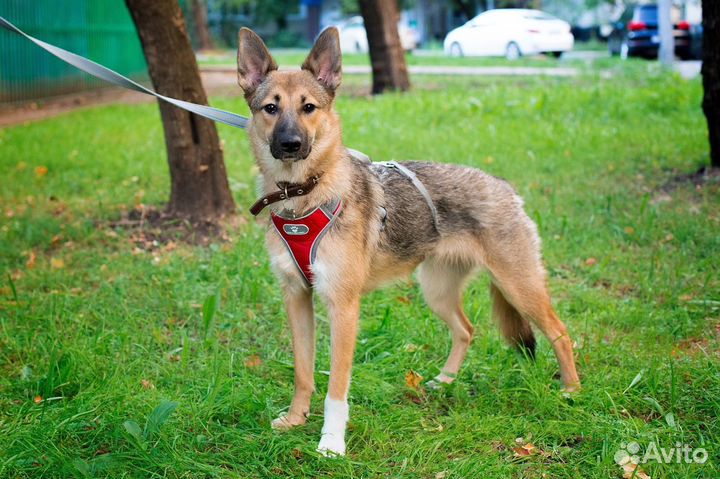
(302, 235)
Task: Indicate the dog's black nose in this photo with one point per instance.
(291, 144)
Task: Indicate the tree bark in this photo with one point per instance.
(711, 75)
(386, 52)
(199, 186)
(204, 39)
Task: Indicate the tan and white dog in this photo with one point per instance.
(380, 227)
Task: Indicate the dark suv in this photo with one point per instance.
(636, 34)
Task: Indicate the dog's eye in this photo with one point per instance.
(270, 108)
(308, 108)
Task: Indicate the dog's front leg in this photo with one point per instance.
(299, 306)
(344, 316)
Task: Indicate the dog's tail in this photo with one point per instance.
(514, 327)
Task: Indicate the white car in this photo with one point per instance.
(511, 33)
(353, 37)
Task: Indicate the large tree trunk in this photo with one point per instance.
(199, 9)
(386, 52)
(711, 75)
(199, 185)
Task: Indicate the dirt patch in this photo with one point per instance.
(706, 175)
(150, 229)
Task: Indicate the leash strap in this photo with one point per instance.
(416, 183)
(103, 73)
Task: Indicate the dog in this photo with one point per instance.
(374, 224)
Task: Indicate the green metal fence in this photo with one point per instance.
(101, 30)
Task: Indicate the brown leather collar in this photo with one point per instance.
(287, 190)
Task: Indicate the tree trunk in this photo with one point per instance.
(199, 186)
(711, 75)
(199, 9)
(386, 52)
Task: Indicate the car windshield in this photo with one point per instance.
(647, 14)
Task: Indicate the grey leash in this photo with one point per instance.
(99, 71)
(215, 114)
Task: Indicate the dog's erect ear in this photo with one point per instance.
(325, 59)
(254, 61)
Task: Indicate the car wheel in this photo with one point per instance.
(512, 52)
(557, 54)
(456, 50)
(624, 50)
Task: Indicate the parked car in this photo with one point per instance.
(636, 34)
(353, 37)
(511, 33)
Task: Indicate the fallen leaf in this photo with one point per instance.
(30, 263)
(297, 453)
(669, 237)
(174, 358)
(411, 348)
(413, 379)
(633, 471)
(489, 160)
(41, 171)
(37, 399)
(403, 299)
(590, 261)
(147, 384)
(441, 475)
(57, 263)
(629, 230)
(253, 361)
(524, 450)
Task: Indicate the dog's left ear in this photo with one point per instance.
(325, 60)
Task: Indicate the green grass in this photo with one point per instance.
(94, 317)
(292, 57)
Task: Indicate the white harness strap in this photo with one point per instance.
(416, 183)
(359, 155)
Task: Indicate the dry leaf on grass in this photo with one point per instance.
(590, 261)
(147, 384)
(57, 263)
(524, 450)
(41, 171)
(30, 263)
(253, 361)
(413, 379)
(633, 471)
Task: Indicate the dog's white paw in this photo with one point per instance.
(438, 382)
(286, 421)
(331, 445)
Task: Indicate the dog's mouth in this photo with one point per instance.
(291, 157)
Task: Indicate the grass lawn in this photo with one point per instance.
(97, 333)
(293, 57)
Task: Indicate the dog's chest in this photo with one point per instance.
(301, 237)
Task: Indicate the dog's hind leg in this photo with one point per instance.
(442, 284)
(299, 306)
(518, 276)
